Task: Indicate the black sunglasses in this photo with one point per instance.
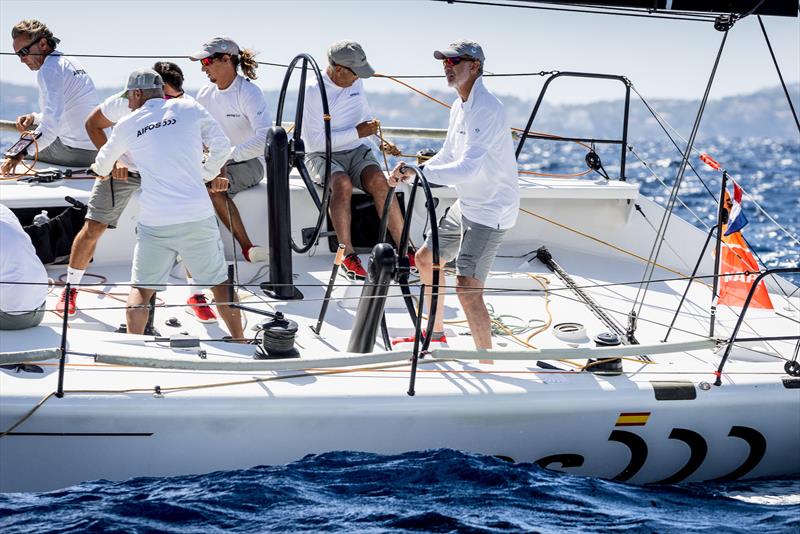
(26, 50)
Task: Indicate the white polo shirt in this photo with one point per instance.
(348, 107)
(66, 98)
(115, 108)
(19, 263)
(165, 139)
(242, 112)
(478, 159)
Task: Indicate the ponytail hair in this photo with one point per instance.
(247, 60)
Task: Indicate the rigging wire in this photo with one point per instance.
(780, 75)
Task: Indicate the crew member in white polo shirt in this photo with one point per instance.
(110, 197)
(353, 163)
(165, 140)
(66, 97)
(239, 107)
(477, 157)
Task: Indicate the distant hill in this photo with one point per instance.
(761, 114)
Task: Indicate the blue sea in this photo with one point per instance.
(451, 491)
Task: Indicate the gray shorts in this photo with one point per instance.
(20, 321)
(57, 153)
(351, 162)
(198, 243)
(243, 175)
(100, 208)
(473, 245)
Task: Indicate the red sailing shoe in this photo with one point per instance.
(353, 268)
(200, 309)
(410, 339)
(72, 305)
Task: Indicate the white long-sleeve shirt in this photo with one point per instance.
(19, 263)
(348, 107)
(165, 139)
(242, 112)
(66, 98)
(478, 159)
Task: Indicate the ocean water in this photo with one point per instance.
(450, 491)
(429, 491)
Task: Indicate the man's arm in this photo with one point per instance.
(52, 111)
(95, 126)
(480, 131)
(219, 147)
(255, 109)
(110, 152)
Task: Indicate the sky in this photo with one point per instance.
(663, 58)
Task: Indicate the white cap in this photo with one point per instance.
(217, 45)
(144, 79)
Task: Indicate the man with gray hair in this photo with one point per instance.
(353, 163)
(165, 139)
(477, 157)
(66, 97)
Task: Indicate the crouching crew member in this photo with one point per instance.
(165, 140)
(477, 157)
(239, 107)
(66, 97)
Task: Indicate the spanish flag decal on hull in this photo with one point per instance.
(632, 419)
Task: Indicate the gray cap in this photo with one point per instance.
(217, 45)
(462, 48)
(144, 79)
(350, 54)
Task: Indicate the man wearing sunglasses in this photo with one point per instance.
(66, 97)
(353, 163)
(477, 157)
(165, 140)
(110, 197)
(240, 108)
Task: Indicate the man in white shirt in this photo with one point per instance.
(110, 197)
(66, 97)
(21, 303)
(477, 157)
(353, 163)
(165, 140)
(239, 107)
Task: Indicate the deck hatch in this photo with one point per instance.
(791, 383)
(668, 391)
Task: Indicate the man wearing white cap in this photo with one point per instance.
(239, 107)
(353, 163)
(165, 140)
(66, 97)
(477, 157)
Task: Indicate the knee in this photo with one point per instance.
(424, 258)
(341, 185)
(93, 229)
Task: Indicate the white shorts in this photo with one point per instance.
(197, 242)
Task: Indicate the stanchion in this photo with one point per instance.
(417, 334)
(62, 362)
(336, 263)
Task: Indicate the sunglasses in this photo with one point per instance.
(453, 61)
(26, 50)
(170, 97)
(206, 61)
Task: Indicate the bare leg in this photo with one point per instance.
(341, 193)
(424, 260)
(374, 182)
(470, 293)
(222, 204)
(137, 317)
(85, 244)
(231, 316)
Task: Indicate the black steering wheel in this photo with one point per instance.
(296, 146)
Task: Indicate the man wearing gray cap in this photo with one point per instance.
(353, 163)
(477, 157)
(239, 107)
(165, 139)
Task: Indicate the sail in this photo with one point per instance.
(782, 8)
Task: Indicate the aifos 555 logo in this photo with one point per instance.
(154, 125)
